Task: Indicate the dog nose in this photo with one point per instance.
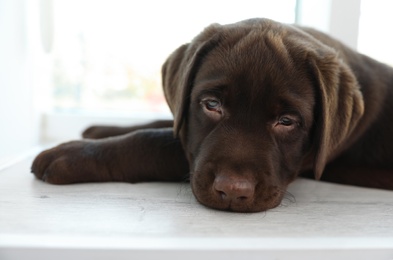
(234, 189)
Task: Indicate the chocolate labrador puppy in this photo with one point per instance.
(255, 104)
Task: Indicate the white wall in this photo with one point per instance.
(339, 18)
(18, 114)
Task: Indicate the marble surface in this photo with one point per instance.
(163, 220)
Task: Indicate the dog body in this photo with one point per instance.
(255, 104)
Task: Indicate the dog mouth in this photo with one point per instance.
(236, 195)
(240, 205)
(258, 205)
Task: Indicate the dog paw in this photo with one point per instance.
(71, 162)
(96, 132)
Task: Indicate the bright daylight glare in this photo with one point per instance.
(107, 55)
(375, 37)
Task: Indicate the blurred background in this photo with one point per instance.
(66, 64)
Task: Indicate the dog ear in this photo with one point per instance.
(339, 106)
(171, 73)
(179, 71)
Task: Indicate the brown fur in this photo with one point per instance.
(255, 104)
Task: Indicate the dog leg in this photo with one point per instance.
(101, 131)
(143, 155)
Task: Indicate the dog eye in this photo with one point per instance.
(213, 105)
(286, 121)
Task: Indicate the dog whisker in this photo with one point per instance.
(288, 199)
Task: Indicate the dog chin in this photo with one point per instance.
(263, 200)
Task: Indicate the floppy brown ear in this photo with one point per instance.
(178, 73)
(171, 72)
(339, 106)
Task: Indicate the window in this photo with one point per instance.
(108, 54)
(375, 30)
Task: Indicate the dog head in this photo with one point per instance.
(255, 103)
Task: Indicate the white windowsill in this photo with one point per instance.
(163, 220)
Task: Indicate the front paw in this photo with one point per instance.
(98, 132)
(71, 162)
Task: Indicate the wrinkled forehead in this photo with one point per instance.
(259, 59)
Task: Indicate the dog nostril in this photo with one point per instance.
(222, 194)
(242, 198)
(234, 188)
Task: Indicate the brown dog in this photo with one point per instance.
(255, 104)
